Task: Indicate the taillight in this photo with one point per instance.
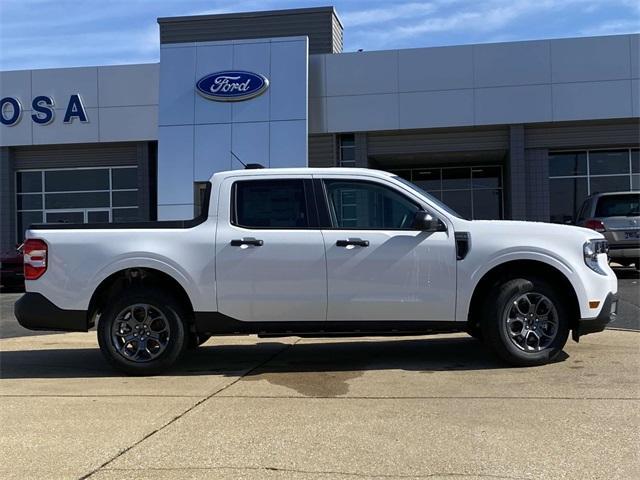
(596, 225)
(35, 258)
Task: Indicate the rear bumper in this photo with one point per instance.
(624, 251)
(607, 315)
(35, 312)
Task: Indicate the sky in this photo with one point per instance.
(67, 33)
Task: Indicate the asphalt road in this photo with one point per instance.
(628, 309)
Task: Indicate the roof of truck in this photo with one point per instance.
(303, 171)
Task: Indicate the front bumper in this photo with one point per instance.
(35, 312)
(607, 315)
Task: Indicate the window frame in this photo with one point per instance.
(331, 217)
(309, 200)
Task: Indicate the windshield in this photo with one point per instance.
(619, 205)
(431, 198)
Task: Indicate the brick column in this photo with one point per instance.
(516, 207)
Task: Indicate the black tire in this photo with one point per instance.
(503, 337)
(156, 357)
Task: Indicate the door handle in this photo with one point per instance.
(247, 241)
(353, 241)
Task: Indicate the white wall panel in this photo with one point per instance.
(128, 85)
(175, 165)
(362, 72)
(530, 103)
(436, 109)
(590, 59)
(253, 57)
(250, 142)
(60, 132)
(212, 150)
(177, 83)
(118, 124)
(210, 59)
(61, 83)
(519, 63)
(288, 144)
(439, 68)
(18, 134)
(574, 101)
(289, 71)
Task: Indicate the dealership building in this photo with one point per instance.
(516, 130)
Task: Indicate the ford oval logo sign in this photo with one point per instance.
(232, 85)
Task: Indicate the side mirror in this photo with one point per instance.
(427, 223)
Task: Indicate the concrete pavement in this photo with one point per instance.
(430, 407)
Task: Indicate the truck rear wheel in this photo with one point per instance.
(526, 323)
(142, 331)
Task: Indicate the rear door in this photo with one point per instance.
(270, 258)
(378, 267)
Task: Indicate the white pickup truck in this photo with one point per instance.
(316, 252)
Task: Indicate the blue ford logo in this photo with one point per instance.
(232, 85)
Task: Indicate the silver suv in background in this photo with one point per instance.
(617, 216)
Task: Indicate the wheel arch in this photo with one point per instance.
(521, 269)
(137, 276)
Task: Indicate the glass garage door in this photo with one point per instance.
(79, 195)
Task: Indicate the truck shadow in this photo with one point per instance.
(268, 358)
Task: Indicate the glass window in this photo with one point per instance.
(609, 184)
(64, 217)
(125, 199)
(635, 182)
(30, 201)
(618, 206)
(347, 150)
(487, 204)
(101, 216)
(25, 219)
(460, 201)
(428, 180)
(76, 180)
(366, 205)
(270, 204)
(29, 182)
(608, 162)
(124, 178)
(584, 211)
(566, 196)
(76, 200)
(567, 164)
(635, 161)
(456, 178)
(125, 214)
(486, 177)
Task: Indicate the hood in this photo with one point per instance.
(518, 228)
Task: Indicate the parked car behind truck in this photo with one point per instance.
(617, 216)
(317, 252)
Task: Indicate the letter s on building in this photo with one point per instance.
(43, 106)
(10, 111)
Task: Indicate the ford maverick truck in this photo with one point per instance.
(316, 252)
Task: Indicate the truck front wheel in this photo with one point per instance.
(526, 323)
(142, 331)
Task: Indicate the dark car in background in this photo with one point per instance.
(11, 269)
(617, 216)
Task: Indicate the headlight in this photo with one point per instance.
(591, 250)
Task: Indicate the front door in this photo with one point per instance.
(270, 259)
(378, 267)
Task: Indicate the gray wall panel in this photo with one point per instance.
(454, 68)
(607, 99)
(519, 63)
(319, 24)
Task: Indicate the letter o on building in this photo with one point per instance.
(10, 111)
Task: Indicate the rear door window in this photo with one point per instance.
(279, 204)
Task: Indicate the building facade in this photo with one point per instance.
(516, 130)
